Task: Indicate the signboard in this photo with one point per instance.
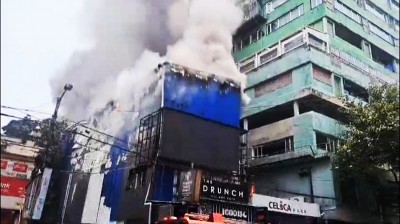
(187, 185)
(44, 185)
(4, 164)
(211, 189)
(13, 187)
(19, 167)
(228, 210)
(15, 168)
(286, 206)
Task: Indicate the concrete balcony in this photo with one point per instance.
(300, 129)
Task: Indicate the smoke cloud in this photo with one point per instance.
(129, 39)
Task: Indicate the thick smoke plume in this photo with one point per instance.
(129, 39)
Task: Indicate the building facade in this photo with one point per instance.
(301, 58)
(17, 163)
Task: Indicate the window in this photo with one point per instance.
(349, 36)
(272, 5)
(322, 75)
(394, 4)
(247, 66)
(347, 11)
(331, 29)
(136, 177)
(273, 84)
(315, 3)
(375, 10)
(382, 57)
(380, 33)
(327, 143)
(277, 147)
(292, 44)
(354, 90)
(316, 42)
(396, 24)
(271, 54)
(286, 18)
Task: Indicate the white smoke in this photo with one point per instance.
(128, 38)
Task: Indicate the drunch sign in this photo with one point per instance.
(211, 189)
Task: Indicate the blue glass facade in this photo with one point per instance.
(205, 98)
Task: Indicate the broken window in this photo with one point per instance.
(322, 75)
(345, 34)
(352, 89)
(277, 147)
(273, 84)
(383, 58)
(326, 142)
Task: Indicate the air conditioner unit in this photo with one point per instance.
(298, 198)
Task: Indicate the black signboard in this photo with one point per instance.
(187, 185)
(211, 189)
(228, 210)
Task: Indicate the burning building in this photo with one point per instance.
(194, 128)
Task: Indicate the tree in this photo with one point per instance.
(372, 136)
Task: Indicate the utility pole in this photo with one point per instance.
(67, 87)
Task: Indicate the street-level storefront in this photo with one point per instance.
(284, 211)
(14, 174)
(210, 194)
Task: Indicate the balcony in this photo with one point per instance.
(307, 136)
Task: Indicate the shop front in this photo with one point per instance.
(12, 198)
(285, 211)
(210, 194)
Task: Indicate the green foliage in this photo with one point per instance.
(372, 136)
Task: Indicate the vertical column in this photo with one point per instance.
(296, 108)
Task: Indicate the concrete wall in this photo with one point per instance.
(285, 182)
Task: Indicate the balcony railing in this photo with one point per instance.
(315, 39)
(307, 37)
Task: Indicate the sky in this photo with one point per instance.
(37, 38)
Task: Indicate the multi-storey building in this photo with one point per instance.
(17, 162)
(301, 57)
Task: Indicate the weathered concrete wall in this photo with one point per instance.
(285, 182)
(268, 133)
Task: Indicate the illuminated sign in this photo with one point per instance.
(211, 189)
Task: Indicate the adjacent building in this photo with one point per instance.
(17, 163)
(301, 58)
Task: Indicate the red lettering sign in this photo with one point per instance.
(19, 167)
(4, 164)
(13, 187)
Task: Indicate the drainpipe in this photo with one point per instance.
(311, 185)
(307, 172)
